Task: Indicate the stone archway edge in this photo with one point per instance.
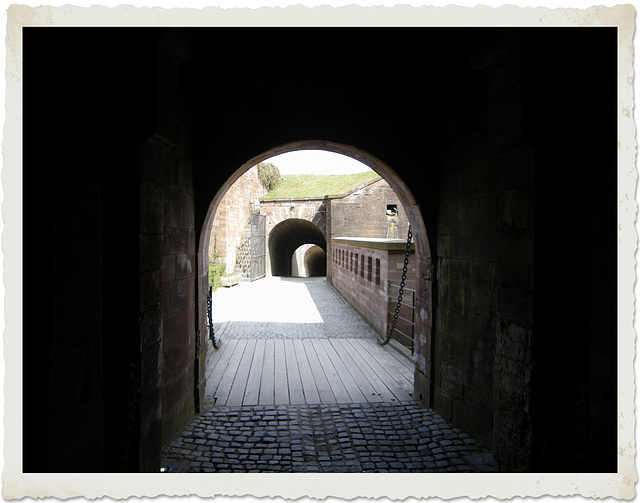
(424, 281)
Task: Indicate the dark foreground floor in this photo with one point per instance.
(399, 437)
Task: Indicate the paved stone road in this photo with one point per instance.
(286, 308)
(325, 438)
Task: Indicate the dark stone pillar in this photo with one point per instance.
(153, 155)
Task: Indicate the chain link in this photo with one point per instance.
(212, 332)
(400, 291)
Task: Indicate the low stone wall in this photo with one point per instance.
(360, 272)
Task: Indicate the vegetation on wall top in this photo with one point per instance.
(269, 175)
(293, 186)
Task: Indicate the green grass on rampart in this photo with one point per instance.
(297, 186)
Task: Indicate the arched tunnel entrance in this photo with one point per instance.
(286, 237)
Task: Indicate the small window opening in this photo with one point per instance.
(392, 210)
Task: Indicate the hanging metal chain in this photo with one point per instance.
(212, 332)
(400, 291)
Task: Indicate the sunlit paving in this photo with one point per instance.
(261, 301)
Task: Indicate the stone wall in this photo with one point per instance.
(484, 267)
(574, 383)
(232, 218)
(92, 395)
(364, 212)
(180, 346)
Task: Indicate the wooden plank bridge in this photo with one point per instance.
(298, 363)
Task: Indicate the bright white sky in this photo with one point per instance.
(316, 162)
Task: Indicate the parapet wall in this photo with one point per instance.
(361, 271)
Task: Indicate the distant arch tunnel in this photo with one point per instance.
(286, 237)
(315, 261)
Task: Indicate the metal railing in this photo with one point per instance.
(406, 317)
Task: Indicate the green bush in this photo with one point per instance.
(215, 271)
(269, 175)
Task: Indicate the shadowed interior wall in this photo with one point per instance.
(180, 348)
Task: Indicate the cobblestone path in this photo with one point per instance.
(325, 438)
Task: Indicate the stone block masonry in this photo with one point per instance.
(232, 217)
(351, 438)
(484, 272)
(180, 377)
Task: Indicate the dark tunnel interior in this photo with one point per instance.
(315, 261)
(286, 237)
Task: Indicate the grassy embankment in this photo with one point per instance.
(295, 186)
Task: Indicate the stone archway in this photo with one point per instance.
(424, 280)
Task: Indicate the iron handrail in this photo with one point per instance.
(406, 289)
